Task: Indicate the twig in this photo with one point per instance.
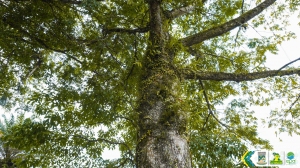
(38, 64)
(106, 141)
(237, 34)
(291, 106)
(298, 59)
(128, 119)
(209, 109)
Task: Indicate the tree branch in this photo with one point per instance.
(210, 112)
(237, 77)
(202, 55)
(291, 106)
(37, 65)
(39, 41)
(175, 13)
(74, 2)
(104, 140)
(179, 12)
(226, 27)
(298, 59)
(237, 34)
(121, 30)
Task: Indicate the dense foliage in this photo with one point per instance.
(79, 69)
(8, 154)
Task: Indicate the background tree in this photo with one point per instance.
(145, 76)
(8, 154)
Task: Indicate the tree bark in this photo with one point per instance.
(162, 123)
(237, 77)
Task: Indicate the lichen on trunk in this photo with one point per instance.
(162, 121)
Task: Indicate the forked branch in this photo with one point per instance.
(226, 27)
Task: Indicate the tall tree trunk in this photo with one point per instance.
(162, 123)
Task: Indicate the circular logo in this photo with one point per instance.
(290, 155)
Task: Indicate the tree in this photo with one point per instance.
(8, 154)
(148, 75)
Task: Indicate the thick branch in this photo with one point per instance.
(237, 77)
(67, 1)
(179, 12)
(130, 31)
(175, 13)
(226, 27)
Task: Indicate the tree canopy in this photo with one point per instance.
(7, 153)
(146, 77)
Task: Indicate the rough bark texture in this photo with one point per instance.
(222, 76)
(162, 120)
(162, 124)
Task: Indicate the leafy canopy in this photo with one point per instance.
(75, 66)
